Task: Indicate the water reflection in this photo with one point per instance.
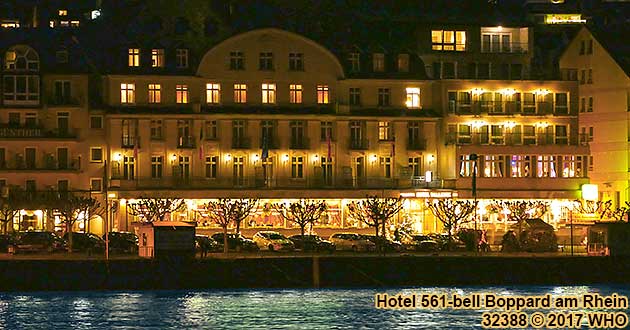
(254, 309)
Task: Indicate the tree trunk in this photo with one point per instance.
(376, 230)
(238, 226)
(384, 223)
(225, 240)
(5, 227)
(302, 226)
(69, 231)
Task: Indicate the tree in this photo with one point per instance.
(225, 211)
(452, 213)
(72, 207)
(601, 209)
(375, 212)
(152, 209)
(519, 211)
(10, 206)
(302, 212)
(619, 213)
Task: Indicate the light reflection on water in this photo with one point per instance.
(253, 309)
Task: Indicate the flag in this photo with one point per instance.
(394, 148)
(135, 147)
(328, 143)
(264, 154)
(201, 143)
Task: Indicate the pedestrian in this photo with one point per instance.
(204, 249)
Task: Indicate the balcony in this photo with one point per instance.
(130, 142)
(241, 143)
(358, 144)
(513, 139)
(299, 143)
(505, 48)
(48, 164)
(507, 108)
(417, 144)
(63, 101)
(186, 142)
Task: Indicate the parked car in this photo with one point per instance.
(273, 241)
(352, 242)
(384, 244)
(444, 244)
(82, 242)
(122, 242)
(39, 241)
(422, 243)
(236, 242)
(312, 243)
(6, 241)
(205, 242)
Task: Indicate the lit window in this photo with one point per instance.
(181, 58)
(268, 93)
(493, 166)
(213, 93)
(155, 93)
(403, 62)
(266, 61)
(384, 130)
(157, 58)
(63, 12)
(448, 40)
(156, 167)
(127, 93)
(378, 61)
(211, 166)
(237, 61)
(51, 24)
(386, 167)
(74, 23)
(240, 93)
(296, 62)
(297, 167)
(413, 97)
(64, 23)
(181, 93)
(295, 93)
(134, 57)
(323, 94)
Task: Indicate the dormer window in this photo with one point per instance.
(403, 62)
(355, 62)
(21, 58)
(157, 58)
(134, 57)
(378, 61)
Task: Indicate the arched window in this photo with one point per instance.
(21, 58)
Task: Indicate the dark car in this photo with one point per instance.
(236, 242)
(421, 243)
(85, 242)
(384, 244)
(122, 242)
(6, 242)
(39, 241)
(312, 243)
(204, 242)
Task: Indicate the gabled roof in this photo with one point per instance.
(614, 38)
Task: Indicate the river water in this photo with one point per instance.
(251, 309)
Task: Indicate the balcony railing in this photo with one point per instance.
(129, 141)
(358, 144)
(259, 182)
(417, 144)
(241, 143)
(186, 141)
(507, 108)
(48, 164)
(506, 47)
(298, 143)
(512, 139)
(55, 100)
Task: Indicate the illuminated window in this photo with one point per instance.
(327, 169)
(181, 93)
(493, 166)
(268, 93)
(415, 166)
(378, 61)
(520, 166)
(355, 96)
(265, 61)
(237, 61)
(448, 40)
(384, 130)
(127, 93)
(240, 93)
(403, 62)
(134, 57)
(63, 12)
(413, 97)
(546, 166)
(296, 62)
(157, 58)
(466, 166)
(383, 97)
(156, 167)
(295, 93)
(386, 167)
(323, 96)
(297, 167)
(21, 58)
(64, 23)
(211, 166)
(213, 93)
(155, 93)
(74, 23)
(181, 58)
(355, 62)
(572, 166)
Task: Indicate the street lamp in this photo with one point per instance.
(474, 158)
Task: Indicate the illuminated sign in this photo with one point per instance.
(590, 192)
(429, 194)
(564, 19)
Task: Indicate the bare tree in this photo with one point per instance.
(452, 213)
(72, 207)
(375, 212)
(10, 205)
(302, 212)
(152, 209)
(601, 209)
(520, 210)
(619, 213)
(225, 211)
